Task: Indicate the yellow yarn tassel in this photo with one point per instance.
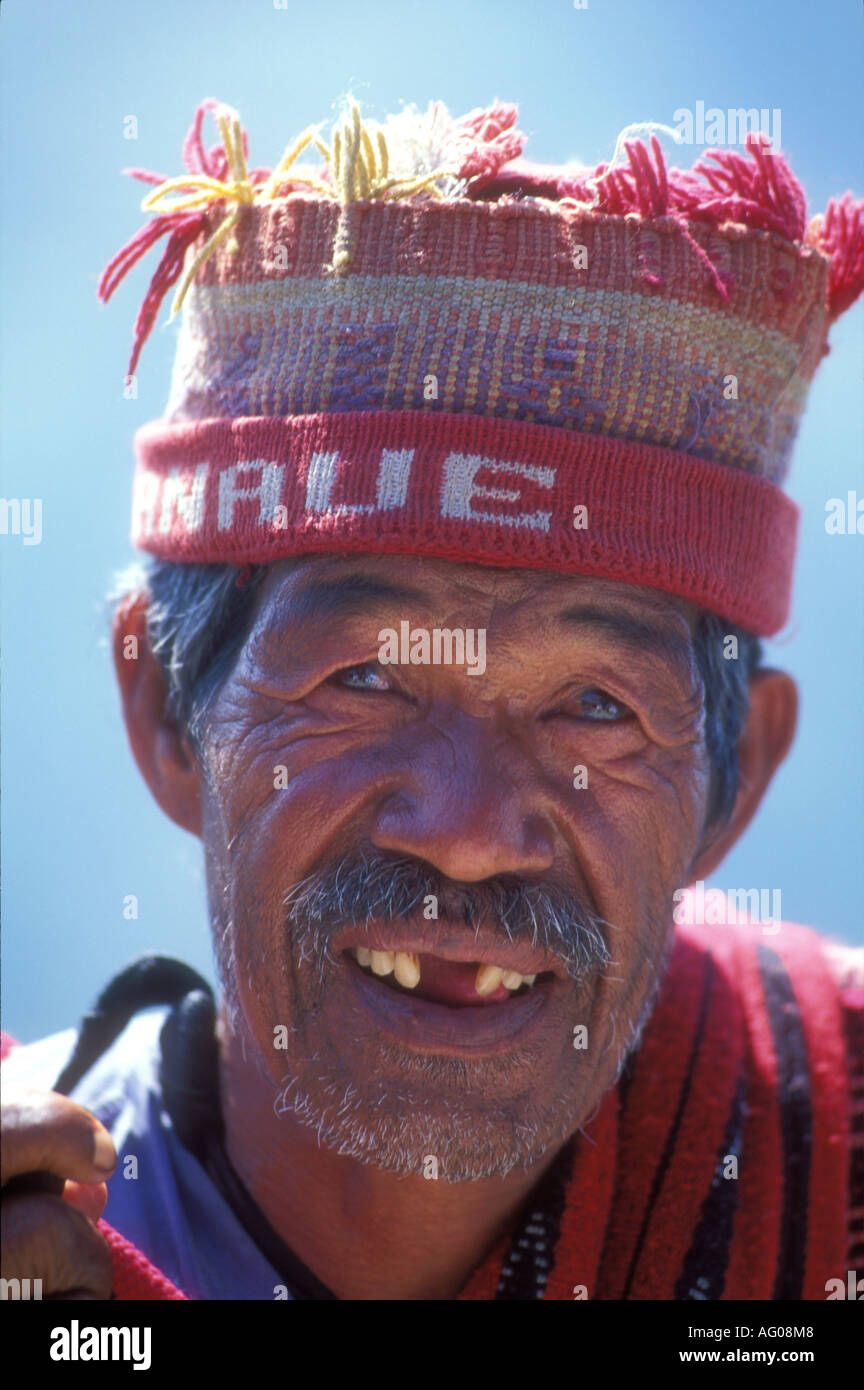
(269, 191)
(226, 226)
(360, 166)
(358, 160)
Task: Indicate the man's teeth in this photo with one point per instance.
(406, 967)
(489, 977)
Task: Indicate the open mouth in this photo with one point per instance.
(449, 991)
(459, 984)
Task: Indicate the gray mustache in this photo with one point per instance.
(358, 890)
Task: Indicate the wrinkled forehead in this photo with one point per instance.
(309, 590)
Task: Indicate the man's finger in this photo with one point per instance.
(46, 1238)
(89, 1198)
(47, 1132)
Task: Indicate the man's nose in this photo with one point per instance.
(472, 803)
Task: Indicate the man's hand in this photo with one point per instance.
(55, 1158)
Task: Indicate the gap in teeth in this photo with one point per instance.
(405, 965)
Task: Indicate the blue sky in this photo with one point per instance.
(80, 831)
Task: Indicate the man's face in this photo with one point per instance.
(545, 808)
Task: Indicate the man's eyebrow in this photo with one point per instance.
(346, 596)
(639, 634)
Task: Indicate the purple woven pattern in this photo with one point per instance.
(652, 355)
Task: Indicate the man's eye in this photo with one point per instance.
(597, 706)
(367, 676)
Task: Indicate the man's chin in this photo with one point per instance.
(409, 1087)
(437, 1118)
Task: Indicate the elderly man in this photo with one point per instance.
(465, 521)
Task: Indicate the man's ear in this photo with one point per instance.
(163, 753)
(764, 743)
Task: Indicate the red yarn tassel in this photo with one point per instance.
(145, 175)
(650, 185)
(840, 235)
(194, 156)
(127, 256)
(167, 273)
(181, 228)
(760, 191)
(490, 141)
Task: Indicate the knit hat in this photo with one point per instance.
(429, 346)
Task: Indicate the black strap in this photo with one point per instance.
(300, 1282)
(189, 1071)
(149, 981)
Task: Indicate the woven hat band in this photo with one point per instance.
(598, 324)
(467, 488)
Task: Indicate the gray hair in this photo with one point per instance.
(198, 618)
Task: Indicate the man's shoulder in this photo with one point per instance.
(126, 1070)
(799, 993)
(846, 964)
(799, 947)
(114, 1057)
(37, 1063)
